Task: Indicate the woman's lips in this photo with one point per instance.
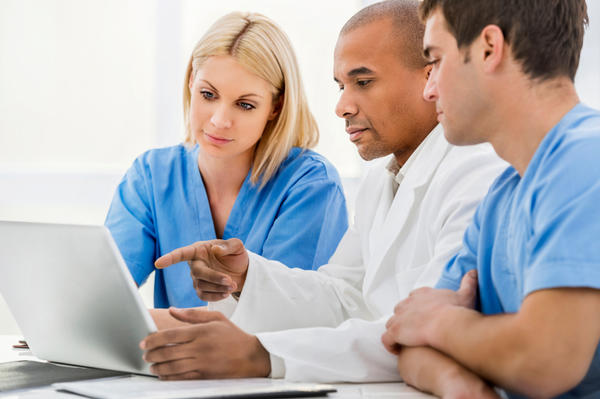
(217, 140)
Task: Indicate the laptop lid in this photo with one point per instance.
(72, 295)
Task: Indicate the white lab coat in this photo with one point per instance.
(397, 243)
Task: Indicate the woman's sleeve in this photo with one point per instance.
(310, 223)
(130, 220)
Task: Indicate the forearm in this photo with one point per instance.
(276, 297)
(431, 371)
(515, 353)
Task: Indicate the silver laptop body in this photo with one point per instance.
(72, 296)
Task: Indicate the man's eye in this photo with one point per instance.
(246, 106)
(363, 83)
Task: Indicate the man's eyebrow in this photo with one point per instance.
(359, 71)
(355, 72)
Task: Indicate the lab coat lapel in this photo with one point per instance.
(384, 203)
(407, 198)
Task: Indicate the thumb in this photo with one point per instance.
(195, 315)
(468, 289)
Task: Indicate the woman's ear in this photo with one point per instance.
(276, 109)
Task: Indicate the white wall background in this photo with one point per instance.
(87, 85)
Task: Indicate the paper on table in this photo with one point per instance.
(147, 387)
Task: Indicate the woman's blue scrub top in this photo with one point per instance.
(161, 204)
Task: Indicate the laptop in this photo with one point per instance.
(72, 295)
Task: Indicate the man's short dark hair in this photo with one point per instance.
(545, 36)
(409, 29)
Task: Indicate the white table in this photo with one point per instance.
(345, 391)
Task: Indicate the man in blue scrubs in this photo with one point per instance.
(503, 73)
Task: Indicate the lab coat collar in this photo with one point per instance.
(393, 217)
(425, 160)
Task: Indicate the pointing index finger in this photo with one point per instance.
(178, 255)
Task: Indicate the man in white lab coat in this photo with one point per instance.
(411, 211)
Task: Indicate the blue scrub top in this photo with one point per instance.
(541, 230)
(161, 204)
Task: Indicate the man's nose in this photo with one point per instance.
(430, 92)
(345, 107)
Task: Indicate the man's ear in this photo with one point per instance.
(491, 47)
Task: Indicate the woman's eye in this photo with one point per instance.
(246, 106)
(207, 94)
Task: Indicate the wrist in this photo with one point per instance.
(458, 382)
(260, 361)
(241, 277)
(437, 327)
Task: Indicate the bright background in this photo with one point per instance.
(87, 85)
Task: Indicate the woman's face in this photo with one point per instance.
(229, 108)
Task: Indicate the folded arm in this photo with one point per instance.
(431, 371)
(543, 350)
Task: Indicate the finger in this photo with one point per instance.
(201, 270)
(389, 343)
(168, 353)
(217, 288)
(174, 367)
(208, 296)
(468, 287)
(389, 323)
(195, 251)
(195, 315)
(169, 336)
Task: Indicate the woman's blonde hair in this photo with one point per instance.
(263, 48)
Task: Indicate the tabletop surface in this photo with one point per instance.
(345, 391)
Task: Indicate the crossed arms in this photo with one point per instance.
(543, 350)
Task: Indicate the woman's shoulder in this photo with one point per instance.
(164, 155)
(302, 161)
(164, 161)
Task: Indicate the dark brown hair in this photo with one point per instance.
(545, 36)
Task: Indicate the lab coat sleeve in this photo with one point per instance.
(276, 297)
(351, 352)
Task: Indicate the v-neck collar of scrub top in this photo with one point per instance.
(205, 218)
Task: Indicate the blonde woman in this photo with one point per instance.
(245, 169)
